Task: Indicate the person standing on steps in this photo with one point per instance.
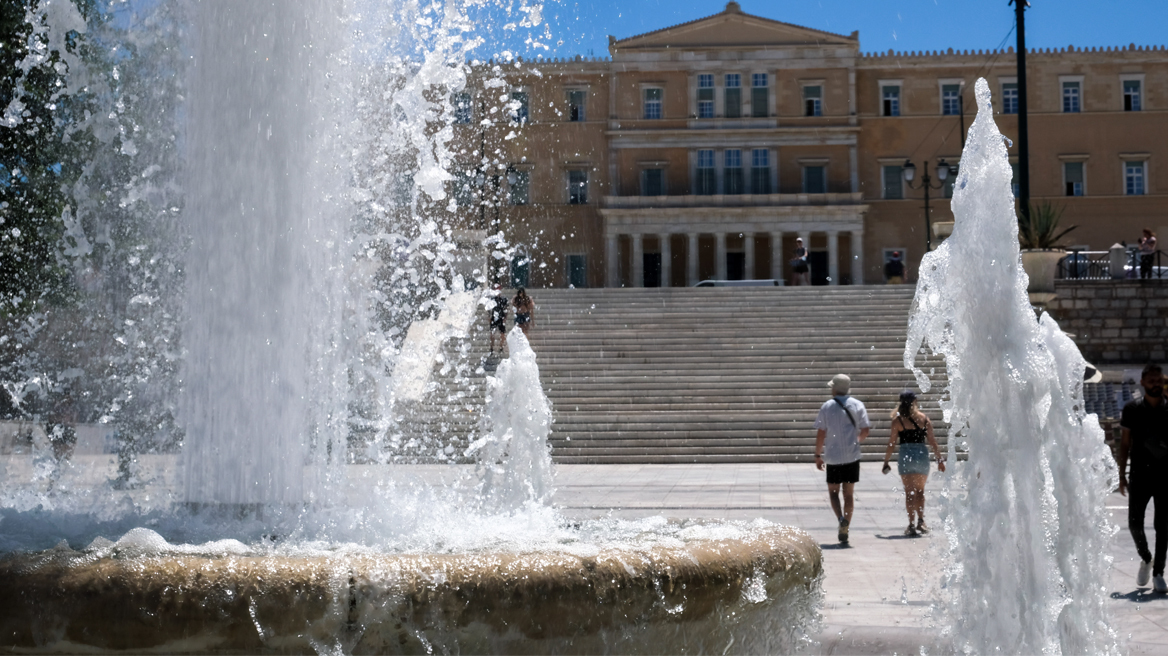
(498, 310)
(894, 269)
(1145, 442)
(840, 427)
(524, 308)
(799, 266)
(913, 430)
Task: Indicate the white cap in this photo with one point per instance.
(840, 384)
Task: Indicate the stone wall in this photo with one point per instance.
(1114, 322)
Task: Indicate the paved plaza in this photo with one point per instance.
(879, 593)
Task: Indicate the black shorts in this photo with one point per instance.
(500, 326)
(849, 473)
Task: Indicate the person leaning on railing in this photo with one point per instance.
(1147, 253)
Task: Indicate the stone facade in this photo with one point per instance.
(1114, 322)
(702, 150)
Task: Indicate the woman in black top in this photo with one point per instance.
(912, 429)
(524, 307)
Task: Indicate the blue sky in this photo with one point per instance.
(883, 24)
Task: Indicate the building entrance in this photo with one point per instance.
(652, 263)
(736, 266)
(818, 262)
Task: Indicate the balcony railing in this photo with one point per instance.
(732, 200)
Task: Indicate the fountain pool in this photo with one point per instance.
(282, 221)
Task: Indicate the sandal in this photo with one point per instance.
(911, 531)
(921, 528)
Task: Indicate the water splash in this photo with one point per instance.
(1025, 514)
(514, 455)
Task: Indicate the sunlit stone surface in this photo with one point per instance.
(694, 592)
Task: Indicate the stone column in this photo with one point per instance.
(691, 259)
(666, 260)
(857, 257)
(720, 255)
(638, 262)
(611, 261)
(777, 255)
(748, 252)
(833, 268)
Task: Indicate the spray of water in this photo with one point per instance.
(1025, 517)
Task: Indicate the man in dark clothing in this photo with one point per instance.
(894, 269)
(498, 309)
(1145, 441)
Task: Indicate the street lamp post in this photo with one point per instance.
(943, 171)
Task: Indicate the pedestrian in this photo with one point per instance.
(894, 269)
(913, 461)
(524, 308)
(799, 265)
(1147, 254)
(840, 427)
(498, 312)
(1144, 441)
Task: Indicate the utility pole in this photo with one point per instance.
(1020, 7)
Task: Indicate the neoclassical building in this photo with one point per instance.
(703, 150)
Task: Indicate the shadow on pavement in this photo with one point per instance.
(1139, 595)
(835, 545)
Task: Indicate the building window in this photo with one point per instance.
(893, 186)
(1131, 96)
(732, 174)
(519, 185)
(1010, 98)
(732, 99)
(653, 96)
(652, 182)
(706, 95)
(815, 179)
(518, 107)
(706, 179)
(760, 171)
(759, 95)
(813, 100)
(1014, 178)
(950, 99)
(1071, 104)
(462, 108)
(577, 266)
(577, 99)
(1073, 178)
(891, 97)
(1133, 177)
(578, 187)
(463, 188)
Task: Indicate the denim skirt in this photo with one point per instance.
(914, 459)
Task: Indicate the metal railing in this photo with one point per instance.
(1096, 265)
(1085, 265)
(1145, 267)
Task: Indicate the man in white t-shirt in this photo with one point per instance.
(840, 427)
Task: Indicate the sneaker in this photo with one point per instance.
(911, 531)
(921, 527)
(1144, 574)
(1159, 585)
(843, 530)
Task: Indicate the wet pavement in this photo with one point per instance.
(881, 592)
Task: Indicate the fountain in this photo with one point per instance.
(255, 221)
(1025, 513)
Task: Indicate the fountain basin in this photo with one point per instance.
(750, 594)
